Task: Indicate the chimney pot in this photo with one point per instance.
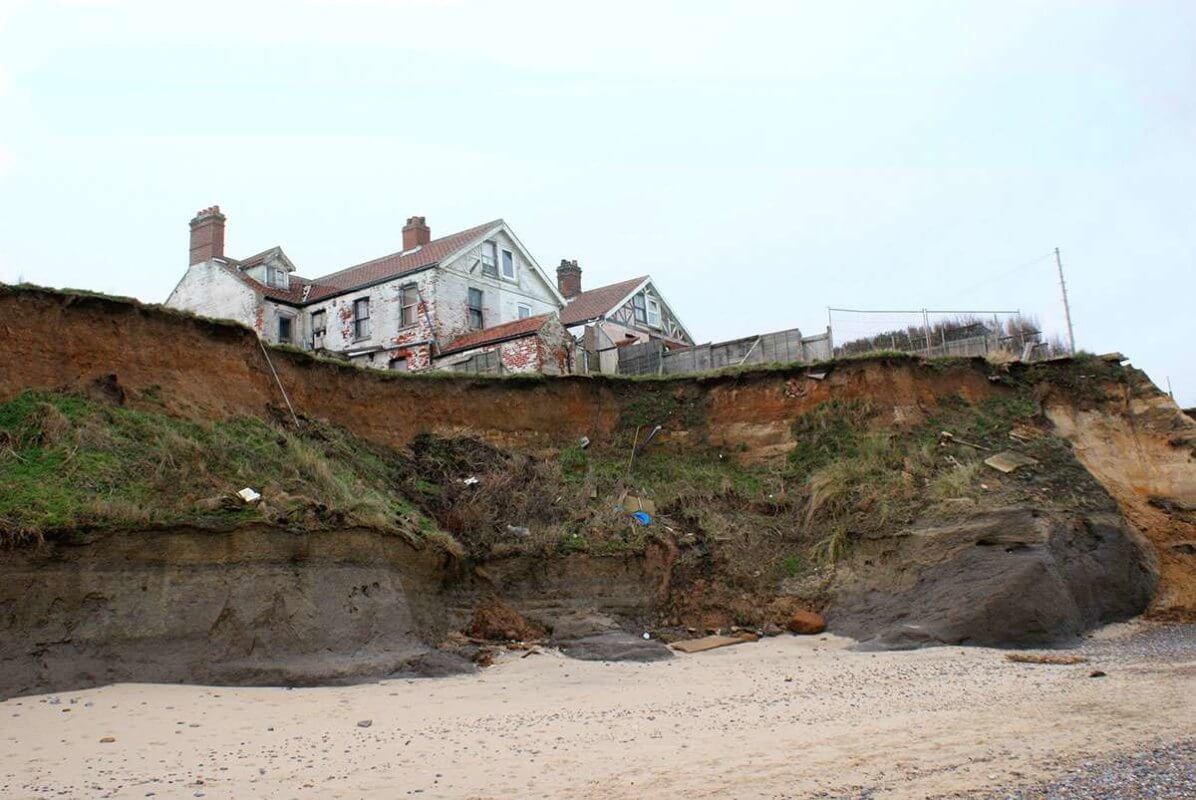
(416, 233)
(568, 278)
(207, 235)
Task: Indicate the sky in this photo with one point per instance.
(761, 160)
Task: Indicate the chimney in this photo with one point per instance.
(416, 233)
(568, 278)
(207, 235)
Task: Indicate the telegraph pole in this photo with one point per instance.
(1071, 337)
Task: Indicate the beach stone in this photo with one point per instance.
(365, 723)
(806, 623)
(1013, 577)
(436, 664)
(615, 646)
(579, 624)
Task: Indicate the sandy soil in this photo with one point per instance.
(786, 717)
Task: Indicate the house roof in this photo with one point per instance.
(598, 302)
(370, 272)
(499, 333)
(397, 264)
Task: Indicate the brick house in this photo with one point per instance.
(470, 299)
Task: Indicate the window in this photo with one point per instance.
(489, 259)
(637, 302)
(284, 330)
(408, 305)
(277, 278)
(361, 318)
(523, 311)
(475, 309)
(317, 329)
(398, 365)
(653, 313)
(508, 265)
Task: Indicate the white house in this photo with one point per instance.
(436, 302)
(613, 316)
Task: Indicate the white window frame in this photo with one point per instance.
(481, 308)
(287, 318)
(490, 259)
(523, 311)
(653, 310)
(404, 305)
(508, 257)
(639, 307)
(361, 332)
(317, 334)
(277, 278)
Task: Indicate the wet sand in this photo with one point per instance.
(785, 717)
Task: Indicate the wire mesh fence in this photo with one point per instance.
(938, 333)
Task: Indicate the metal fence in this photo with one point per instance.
(647, 358)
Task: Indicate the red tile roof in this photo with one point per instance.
(499, 333)
(379, 269)
(397, 264)
(596, 302)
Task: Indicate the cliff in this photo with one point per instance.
(125, 428)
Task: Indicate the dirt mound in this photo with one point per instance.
(495, 621)
(1003, 579)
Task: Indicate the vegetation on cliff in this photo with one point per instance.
(69, 461)
(856, 468)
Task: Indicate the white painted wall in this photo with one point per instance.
(209, 289)
(500, 297)
(300, 334)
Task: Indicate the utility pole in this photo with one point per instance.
(1071, 337)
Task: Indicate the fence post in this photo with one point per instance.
(926, 327)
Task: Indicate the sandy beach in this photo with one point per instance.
(785, 717)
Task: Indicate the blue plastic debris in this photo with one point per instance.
(642, 518)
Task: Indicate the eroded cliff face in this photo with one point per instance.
(266, 605)
(1141, 450)
(263, 606)
(195, 367)
(250, 606)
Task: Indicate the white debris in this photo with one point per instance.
(249, 495)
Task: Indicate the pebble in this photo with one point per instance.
(1166, 772)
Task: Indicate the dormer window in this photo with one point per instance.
(278, 278)
(490, 259)
(641, 312)
(508, 265)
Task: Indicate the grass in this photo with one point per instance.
(69, 462)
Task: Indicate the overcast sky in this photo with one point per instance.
(761, 160)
